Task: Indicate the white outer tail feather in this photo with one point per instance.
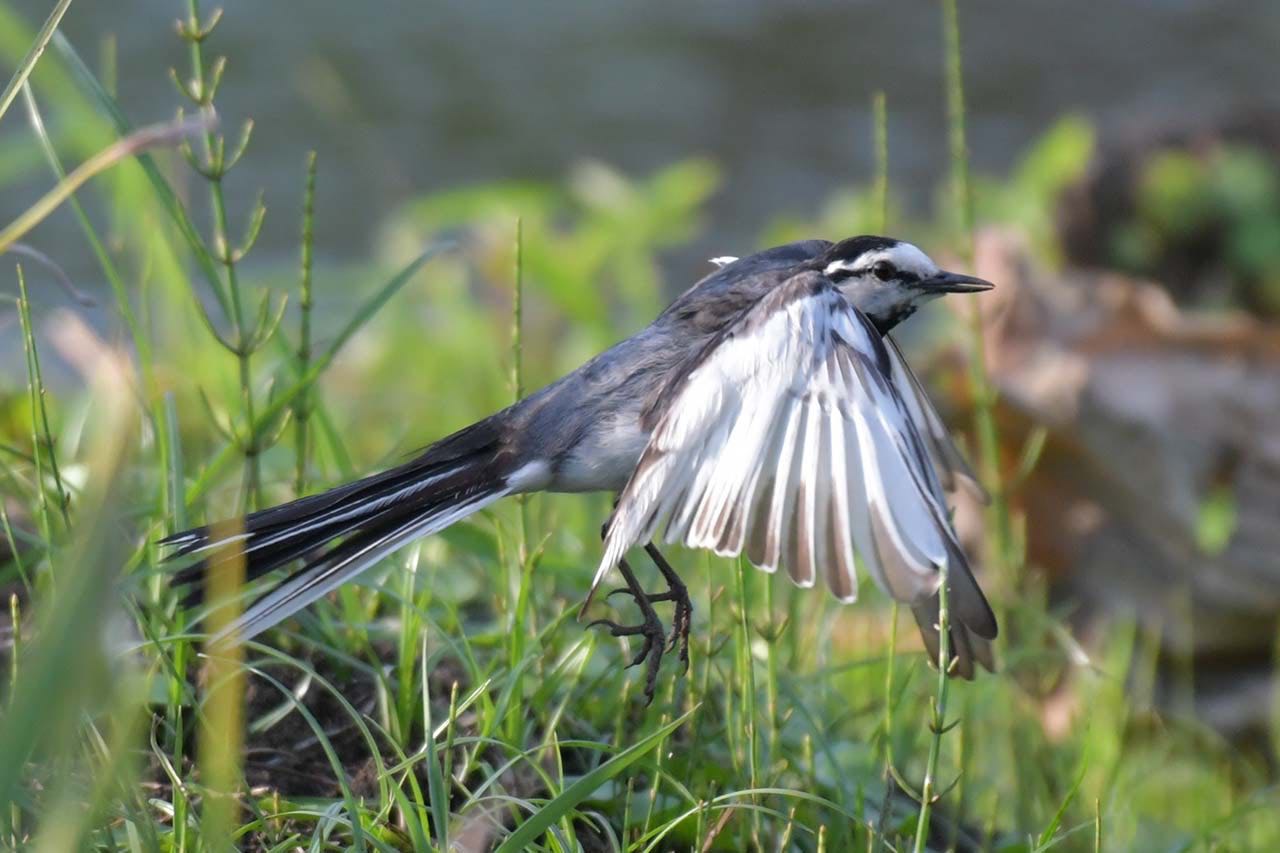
(297, 592)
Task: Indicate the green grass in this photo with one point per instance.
(452, 698)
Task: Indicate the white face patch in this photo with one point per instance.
(890, 301)
(723, 260)
(904, 256)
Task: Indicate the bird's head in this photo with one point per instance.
(887, 280)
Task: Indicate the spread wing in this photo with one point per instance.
(790, 439)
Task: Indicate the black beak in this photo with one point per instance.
(954, 282)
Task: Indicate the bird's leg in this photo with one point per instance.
(655, 635)
(678, 594)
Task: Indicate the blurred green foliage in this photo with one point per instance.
(590, 244)
(1027, 198)
(1223, 205)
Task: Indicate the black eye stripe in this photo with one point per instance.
(883, 270)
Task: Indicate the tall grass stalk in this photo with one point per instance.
(747, 688)
(437, 791)
(15, 651)
(302, 408)
(984, 395)
(42, 446)
(15, 655)
(937, 722)
(222, 727)
(517, 381)
(12, 542)
(772, 634)
(182, 651)
(880, 135)
(520, 611)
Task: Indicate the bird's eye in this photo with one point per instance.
(884, 270)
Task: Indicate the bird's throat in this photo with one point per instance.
(885, 323)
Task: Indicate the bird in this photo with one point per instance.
(767, 411)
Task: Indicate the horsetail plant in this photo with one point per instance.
(213, 164)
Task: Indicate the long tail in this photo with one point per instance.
(344, 531)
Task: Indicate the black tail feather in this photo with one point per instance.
(966, 647)
(448, 472)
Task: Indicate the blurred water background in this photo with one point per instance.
(404, 98)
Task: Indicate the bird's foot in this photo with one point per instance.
(681, 619)
(655, 638)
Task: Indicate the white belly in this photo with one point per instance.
(603, 460)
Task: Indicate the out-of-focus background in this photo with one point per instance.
(402, 101)
(777, 95)
(1123, 167)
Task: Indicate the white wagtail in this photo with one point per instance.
(766, 410)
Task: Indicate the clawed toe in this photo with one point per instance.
(645, 650)
(615, 629)
(652, 650)
(680, 631)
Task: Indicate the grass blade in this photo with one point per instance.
(149, 137)
(570, 797)
(29, 61)
(1049, 831)
(436, 790)
(41, 436)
